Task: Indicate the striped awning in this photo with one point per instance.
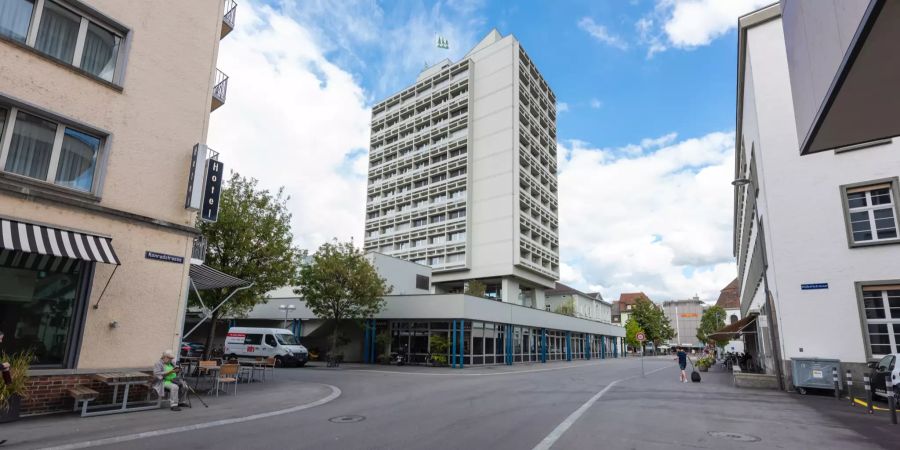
(205, 277)
(44, 240)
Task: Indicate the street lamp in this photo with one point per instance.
(287, 309)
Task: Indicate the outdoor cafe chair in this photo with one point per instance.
(227, 374)
(269, 366)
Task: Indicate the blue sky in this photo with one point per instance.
(646, 92)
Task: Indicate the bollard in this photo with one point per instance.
(868, 393)
(837, 384)
(892, 402)
(850, 386)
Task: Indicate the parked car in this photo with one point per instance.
(881, 370)
(192, 348)
(265, 342)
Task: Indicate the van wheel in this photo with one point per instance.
(301, 364)
(279, 362)
(801, 391)
(230, 356)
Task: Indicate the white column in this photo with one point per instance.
(540, 299)
(510, 288)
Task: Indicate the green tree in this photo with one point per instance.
(567, 308)
(713, 320)
(653, 321)
(631, 330)
(340, 283)
(251, 240)
(475, 288)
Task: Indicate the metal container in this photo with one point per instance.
(814, 373)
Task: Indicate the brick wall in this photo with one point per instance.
(49, 394)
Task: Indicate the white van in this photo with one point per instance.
(265, 342)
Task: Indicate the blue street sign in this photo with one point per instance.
(809, 286)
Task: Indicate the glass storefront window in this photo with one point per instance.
(38, 308)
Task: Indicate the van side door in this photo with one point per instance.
(271, 346)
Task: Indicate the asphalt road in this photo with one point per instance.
(583, 405)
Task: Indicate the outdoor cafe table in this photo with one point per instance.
(252, 365)
(116, 379)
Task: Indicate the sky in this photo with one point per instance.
(646, 92)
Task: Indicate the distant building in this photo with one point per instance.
(684, 316)
(626, 302)
(587, 306)
(730, 301)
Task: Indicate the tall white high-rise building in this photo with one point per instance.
(462, 174)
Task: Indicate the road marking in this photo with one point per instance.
(564, 426)
(456, 374)
(335, 393)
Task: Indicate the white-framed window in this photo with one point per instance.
(458, 236)
(456, 257)
(459, 213)
(45, 150)
(437, 218)
(61, 31)
(871, 212)
(438, 239)
(421, 222)
(436, 260)
(881, 305)
(416, 243)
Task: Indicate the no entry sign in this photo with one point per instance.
(641, 337)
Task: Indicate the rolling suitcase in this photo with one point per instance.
(695, 376)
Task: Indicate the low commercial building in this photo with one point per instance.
(102, 103)
(481, 330)
(816, 236)
(684, 316)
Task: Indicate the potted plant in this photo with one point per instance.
(703, 364)
(12, 393)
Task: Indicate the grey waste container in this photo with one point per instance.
(814, 373)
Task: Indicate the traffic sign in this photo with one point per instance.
(641, 337)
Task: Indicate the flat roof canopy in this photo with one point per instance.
(863, 102)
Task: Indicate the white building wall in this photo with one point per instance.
(801, 209)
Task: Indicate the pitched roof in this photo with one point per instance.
(596, 295)
(562, 289)
(630, 298)
(729, 296)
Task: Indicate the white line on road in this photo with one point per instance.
(564, 426)
(335, 393)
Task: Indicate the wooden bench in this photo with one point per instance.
(83, 395)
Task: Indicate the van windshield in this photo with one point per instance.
(287, 339)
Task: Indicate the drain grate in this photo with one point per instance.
(347, 419)
(734, 436)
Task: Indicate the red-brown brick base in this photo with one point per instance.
(49, 394)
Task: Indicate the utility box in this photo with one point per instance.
(814, 373)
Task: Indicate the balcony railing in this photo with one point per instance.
(198, 253)
(228, 18)
(219, 90)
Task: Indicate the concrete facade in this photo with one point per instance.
(462, 174)
(148, 108)
(684, 316)
(816, 265)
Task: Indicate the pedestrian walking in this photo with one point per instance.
(681, 356)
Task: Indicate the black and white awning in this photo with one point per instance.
(53, 242)
(205, 277)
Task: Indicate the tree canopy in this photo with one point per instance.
(567, 308)
(652, 321)
(251, 240)
(340, 283)
(713, 319)
(631, 330)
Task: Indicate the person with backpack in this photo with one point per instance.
(681, 356)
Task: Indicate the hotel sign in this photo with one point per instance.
(212, 191)
(195, 178)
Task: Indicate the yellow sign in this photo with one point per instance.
(689, 315)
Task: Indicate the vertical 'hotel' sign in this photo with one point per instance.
(211, 191)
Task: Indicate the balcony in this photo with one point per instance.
(198, 252)
(219, 90)
(228, 18)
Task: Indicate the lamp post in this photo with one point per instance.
(287, 309)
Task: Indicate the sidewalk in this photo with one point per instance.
(251, 398)
(715, 414)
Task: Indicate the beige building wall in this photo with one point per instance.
(160, 111)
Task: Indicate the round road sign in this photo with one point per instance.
(641, 337)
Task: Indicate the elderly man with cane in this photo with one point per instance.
(165, 376)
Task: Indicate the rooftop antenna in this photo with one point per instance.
(442, 42)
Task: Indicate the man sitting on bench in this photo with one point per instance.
(165, 376)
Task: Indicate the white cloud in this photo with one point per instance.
(688, 24)
(562, 107)
(600, 33)
(294, 119)
(654, 216)
(596, 104)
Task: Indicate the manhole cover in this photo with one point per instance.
(734, 436)
(347, 419)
